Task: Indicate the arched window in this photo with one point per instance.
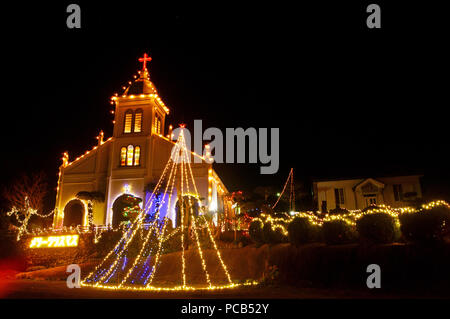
(138, 121)
(123, 156)
(130, 151)
(157, 125)
(128, 121)
(137, 155)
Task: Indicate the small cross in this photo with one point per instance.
(144, 60)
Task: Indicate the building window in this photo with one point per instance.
(123, 156)
(339, 196)
(128, 121)
(371, 200)
(137, 154)
(130, 153)
(398, 192)
(138, 121)
(130, 156)
(157, 125)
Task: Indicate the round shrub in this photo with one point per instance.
(273, 234)
(267, 232)
(255, 231)
(278, 234)
(379, 228)
(427, 226)
(336, 232)
(315, 233)
(243, 241)
(299, 230)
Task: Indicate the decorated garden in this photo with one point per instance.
(309, 249)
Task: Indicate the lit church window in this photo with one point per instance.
(157, 125)
(130, 152)
(123, 156)
(137, 154)
(128, 121)
(138, 121)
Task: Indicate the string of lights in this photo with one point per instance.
(27, 213)
(116, 260)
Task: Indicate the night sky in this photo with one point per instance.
(349, 101)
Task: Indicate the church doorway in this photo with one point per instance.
(189, 202)
(74, 213)
(125, 209)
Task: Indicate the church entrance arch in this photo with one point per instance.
(125, 208)
(74, 213)
(189, 203)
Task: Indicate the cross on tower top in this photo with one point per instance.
(144, 60)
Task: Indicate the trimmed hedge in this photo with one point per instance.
(255, 231)
(337, 232)
(378, 228)
(300, 231)
(267, 232)
(338, 211)
(273, 236)
(241, 237)
(427, 226)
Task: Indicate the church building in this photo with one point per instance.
(129, 163)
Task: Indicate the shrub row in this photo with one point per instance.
(424, 227)
(266, 233)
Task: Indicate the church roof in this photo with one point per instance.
(141, 85)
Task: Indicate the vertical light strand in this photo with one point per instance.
(183, 265)
(194, 225)
(219, 256)
(175, 153)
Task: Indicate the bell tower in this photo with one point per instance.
(139, 110)
(139, 113)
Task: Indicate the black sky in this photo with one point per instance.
(348, 101)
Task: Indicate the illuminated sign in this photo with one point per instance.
(54, 241)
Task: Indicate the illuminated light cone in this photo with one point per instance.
(138, 262)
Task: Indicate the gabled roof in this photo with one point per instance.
(367, 181)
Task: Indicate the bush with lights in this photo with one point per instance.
(339, 211)
(377, 228)
(300, 231)
(336, 232)
(426, 226)
(273, 233)
(255, 231)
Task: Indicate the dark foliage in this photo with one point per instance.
(300, 231)
(256, 232)
(377, 228)
(338, 211)
(427, 226)
(107, 241)
(337, 232)
(273, 235)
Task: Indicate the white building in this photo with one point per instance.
(362, 192)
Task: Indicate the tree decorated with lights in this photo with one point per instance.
(26, 197)
(121, 269)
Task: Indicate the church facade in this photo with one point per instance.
(129, 163)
